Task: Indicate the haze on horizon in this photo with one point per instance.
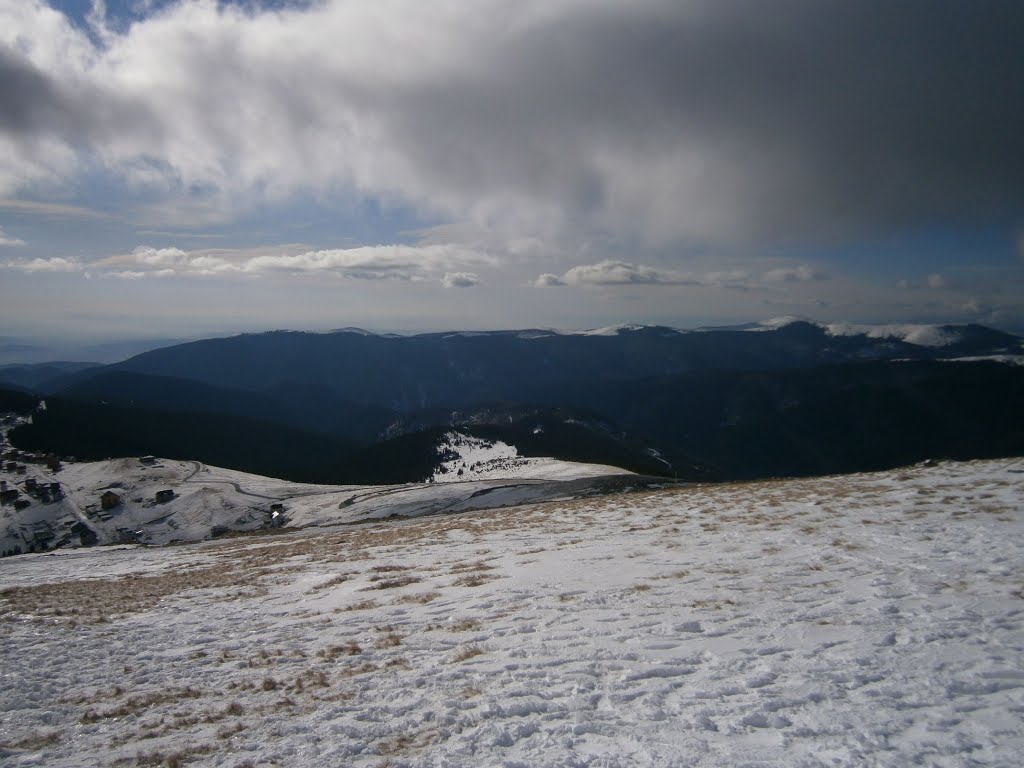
(181, 169)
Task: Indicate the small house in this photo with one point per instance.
(109, 500)
(31, 485)
(147, 460)
(55, 490)
(164, 496)
(8, 496)
(86, 535)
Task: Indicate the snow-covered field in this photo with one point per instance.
(863, 620)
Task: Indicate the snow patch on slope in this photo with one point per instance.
(473, 458)
(918, 335)
(776, 323)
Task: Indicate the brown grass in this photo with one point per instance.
(469, 652)
(136, 705)
(389, 640)
(362, 605)
(331, 653)
(420, 597)
(473, 580)
(333, 582)
(35, 740)
(382, 583)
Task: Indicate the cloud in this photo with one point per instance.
(935, 280)
(460, 280)
(127, 274)
(54, 264)
(610, 272)
(50, 210)
(548, 280)
(800, 274)
(6, 239)
(378, 262)
(372, 262)
(714, 120)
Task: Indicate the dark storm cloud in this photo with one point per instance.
(80, 110)
(667, 121)
(30, 101)
(793, 117)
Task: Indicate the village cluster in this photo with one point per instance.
(29, 491)
(26, 480)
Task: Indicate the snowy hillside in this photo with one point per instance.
(845, 621)
(204, 501)
(473, 458)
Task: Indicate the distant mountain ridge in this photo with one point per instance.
(452, 369)
(785, 396)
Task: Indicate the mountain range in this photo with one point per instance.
(786, 397)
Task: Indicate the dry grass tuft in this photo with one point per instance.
(34, 741)
(389, 640)
(175, 759)
(680, 574)
(341, 578)
(362, 605)
(136, 705)
(421, 598)
(469, 652)
(473, 580)
(331, 653)
(382, 583)
(477, 566)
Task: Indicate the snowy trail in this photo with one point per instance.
(862, 620)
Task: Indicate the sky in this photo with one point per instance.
(181, 169)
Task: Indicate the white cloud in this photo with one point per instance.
(54, 264)
(611, 272)
(377, 262)
(460, 280)
(548, 280)
(128, 274)
(935, 280)
(372, 262)
(6, 239)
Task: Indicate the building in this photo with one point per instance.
(109, 500)
(164, 496)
